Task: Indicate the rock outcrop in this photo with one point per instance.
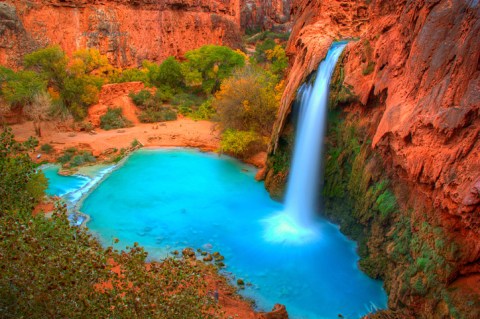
(115, 95)
(266, 15)
(128, 32)
(413, 67)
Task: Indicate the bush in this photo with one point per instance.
(164, 94)
(205, 111)
(161, 115)
(85, 157)
(369, 68)
(22, 185)
(248, 101)
(132, 75)
(114, 119)
(141, 98)
(240, 143)
(67, 155)
(262, 48)
(186, 102)
(52, 259)
(46, 148)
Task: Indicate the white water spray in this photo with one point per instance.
(301, 203)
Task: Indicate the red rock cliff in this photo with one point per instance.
(266, 14)
(127, 31)
(419, 63)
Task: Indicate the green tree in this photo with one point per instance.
(278, 59)
(260, 50)
(208, 65)
(170, 73)
(73, 79)
(89, 61)
(20, 88)
(50, 63)
(22, 186)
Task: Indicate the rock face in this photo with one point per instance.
(278, 312)
(126, 31)
(414, 68)
(266, 15)
(315, 25)
(115, 95)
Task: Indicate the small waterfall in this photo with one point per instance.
(302, 188)
(301, 202)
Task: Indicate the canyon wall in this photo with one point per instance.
(410, 84)
(128, 32)
(266, 15)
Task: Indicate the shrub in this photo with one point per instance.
(141, 98)
(205, 111)
(53, 259)
(114, 119)
(67, 155)
(164, 94)
(161, 115)
(85, 157)
(248, 101)
(132, 75)
(240, 143)
(135, 143)
(262, 48)
(369, 68)
(46, 148)
(386, 203)
(186, 102)
(278, 59)
(265, 35)
(22, 185)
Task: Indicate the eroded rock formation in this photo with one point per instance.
(127, 31)
(413, 73)
(266, 15)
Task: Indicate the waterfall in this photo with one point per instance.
(303, 189)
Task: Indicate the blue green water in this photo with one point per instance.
(175, 198)
(62, 185)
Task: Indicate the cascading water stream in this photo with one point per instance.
(301, 201)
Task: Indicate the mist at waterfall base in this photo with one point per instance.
(169, 199)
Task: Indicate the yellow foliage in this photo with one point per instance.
(279, 88)
(245, 56)
(247, 101)
(90, 95)
(55, 95)
(276, 53)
